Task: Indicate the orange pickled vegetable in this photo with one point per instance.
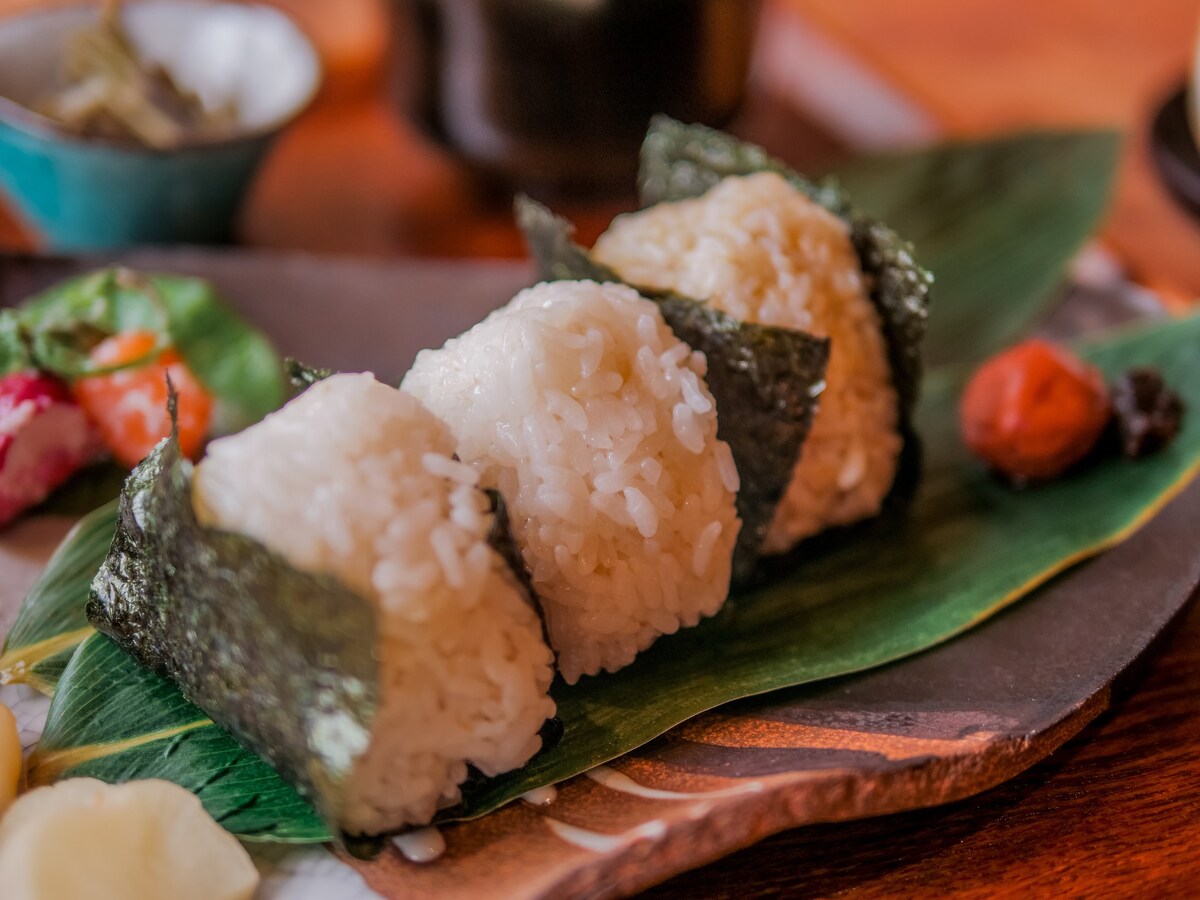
(129, 407)
(1034, 410)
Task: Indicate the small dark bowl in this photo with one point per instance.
(1173, 147)
(558, 93)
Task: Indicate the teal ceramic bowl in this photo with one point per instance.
(83, 193)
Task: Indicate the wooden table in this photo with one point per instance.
(1117, 811)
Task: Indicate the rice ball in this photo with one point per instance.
(760, 250)
(595, 423)
(357, 480)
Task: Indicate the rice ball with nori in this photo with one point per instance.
(356, 480)
(760, 250)
(594, 421)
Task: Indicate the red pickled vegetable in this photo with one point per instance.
(1034, 410)
(45, 438)
(129, 406)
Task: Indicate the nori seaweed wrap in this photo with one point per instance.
(324, 585)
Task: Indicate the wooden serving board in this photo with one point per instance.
(937, 727)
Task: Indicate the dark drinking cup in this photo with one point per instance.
(557, 93)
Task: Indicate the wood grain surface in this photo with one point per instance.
(1114, 813)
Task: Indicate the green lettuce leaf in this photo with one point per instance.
(57, 329)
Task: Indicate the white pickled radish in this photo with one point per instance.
(141, 840)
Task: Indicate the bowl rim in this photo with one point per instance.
(21, 117)
(1178, 167)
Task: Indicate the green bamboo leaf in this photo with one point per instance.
(997, 221)
(970, 546)
(116, 721)
(52, 621)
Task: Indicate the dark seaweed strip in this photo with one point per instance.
(279, 658)
(900, 291)
(680, 162)
(500, 538)
(765, 380)
(301, 376)
(549, 239)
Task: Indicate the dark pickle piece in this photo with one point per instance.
(1147, 412)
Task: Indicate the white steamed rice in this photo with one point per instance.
(594, 421)
(760, 250)
(357, 480)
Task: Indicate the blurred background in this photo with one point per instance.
(404, 153)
